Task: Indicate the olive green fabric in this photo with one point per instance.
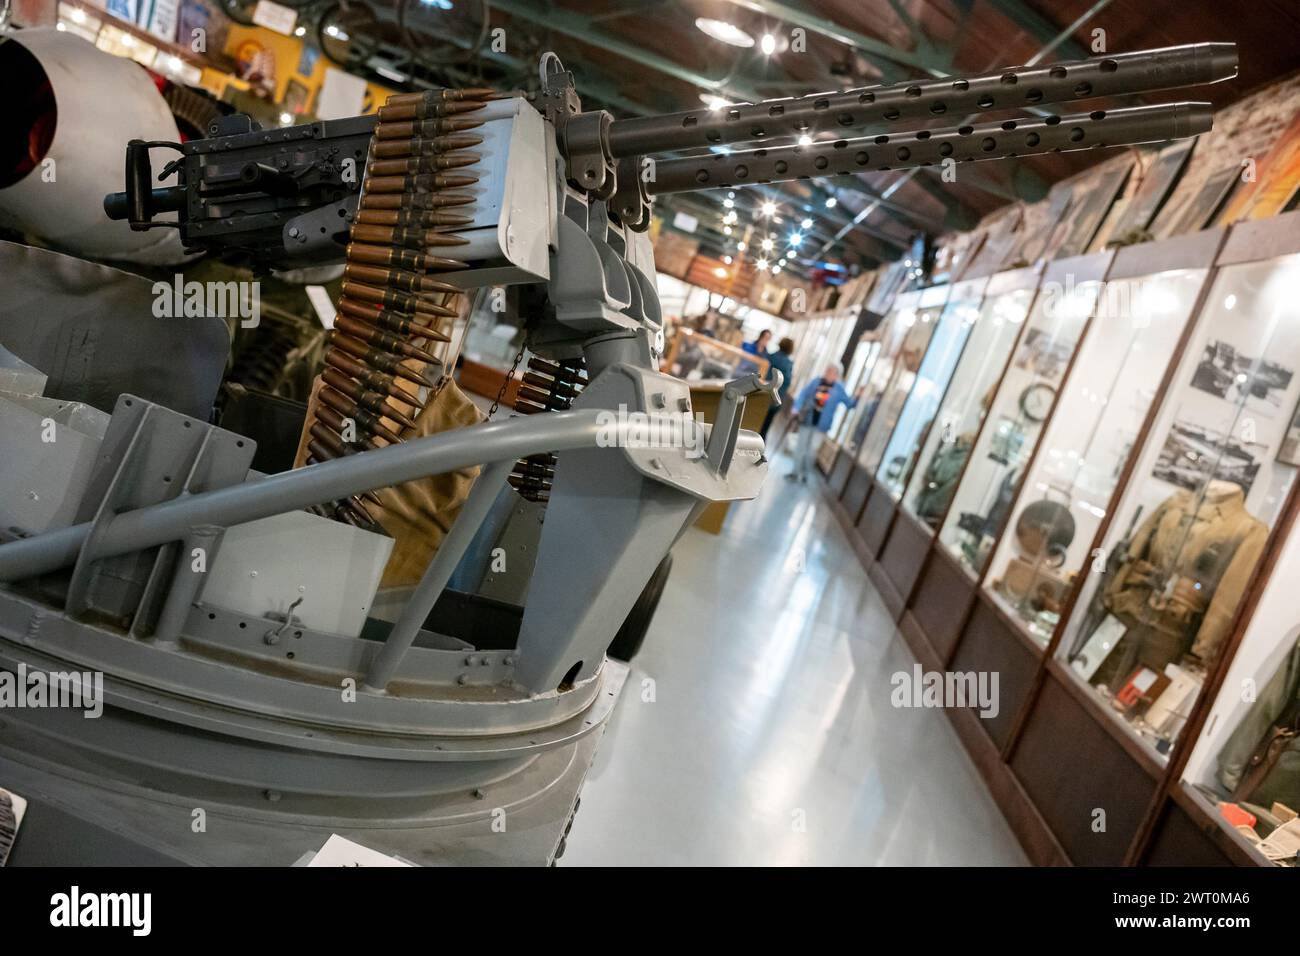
(1277, 706)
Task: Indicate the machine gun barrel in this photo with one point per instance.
(881, 108)
(1123, 127)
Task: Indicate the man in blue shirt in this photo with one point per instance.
(783, 361)
(814, 413)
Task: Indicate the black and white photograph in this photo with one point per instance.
(1044, 354)
(1192, 455)
(1258, 383)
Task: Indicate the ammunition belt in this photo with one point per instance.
(387, 356)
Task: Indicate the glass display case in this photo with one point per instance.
(693, 356)
(943, 455)
(893, 330)
(1160, 602)
(926, 389)
(864, 356)
(1104, 403)
(896, 376)
(1246, 764)
(892, 377)
(1024, 400)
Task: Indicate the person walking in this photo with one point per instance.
(813, 412)
(783, 361)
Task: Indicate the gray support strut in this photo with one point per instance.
(436, 575)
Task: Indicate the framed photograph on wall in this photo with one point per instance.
(1289, 453)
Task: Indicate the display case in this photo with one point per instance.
(865, 352)
(1021, 403)
(920, 328)
(693, 356)
(908, 407)
(1021, 406)
(1180, 552)
(895, 329)
(861, 361)
(942, 457)
(942, 448)
(959, 318)
(1142, 315)
(1244, 772)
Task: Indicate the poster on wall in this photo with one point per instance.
(1161, 174)
(1277, 176)
(163, 16)
(1197, 209)
(1085, 217)
(1289, 453)
(124, 9)
(198, 19)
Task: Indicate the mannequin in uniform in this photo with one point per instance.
(1179, 586)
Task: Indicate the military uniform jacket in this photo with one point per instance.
(1188, 567)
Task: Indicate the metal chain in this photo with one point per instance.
(514, 366)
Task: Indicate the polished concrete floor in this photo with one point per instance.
(756, 726)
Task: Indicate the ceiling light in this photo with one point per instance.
(830, 203)
(781, 261)
(726, 230)
(806, 224)
(796, 238)
(767, 245)
(761, 265)
(440, 4)
(727, 259)
(776, 270)
(300, 31)
(728, 203)
(768, 208)
(742, 245)
(724, 31)
(768, 44)
(78, 15)
(720, 272)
